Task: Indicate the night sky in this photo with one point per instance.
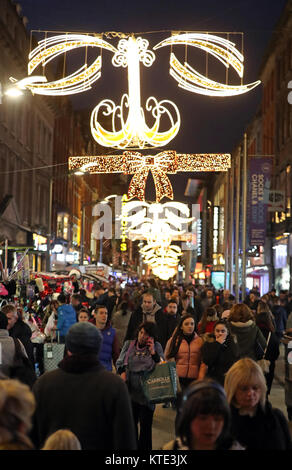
(208, 124)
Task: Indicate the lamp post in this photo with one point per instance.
(49, 226)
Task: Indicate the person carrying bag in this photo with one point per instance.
(137, 359)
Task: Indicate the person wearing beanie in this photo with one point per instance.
(82, 396)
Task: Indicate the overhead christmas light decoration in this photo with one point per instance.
(221, 49)
(158, 227)
(47, 50)
(128, 124)
(164, 272)
(161, 226)
(164, 162)
(133, 130)
(193, 81)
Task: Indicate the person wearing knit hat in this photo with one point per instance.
(83, 338)
(82, 396)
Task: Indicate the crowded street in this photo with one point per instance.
(145, 229)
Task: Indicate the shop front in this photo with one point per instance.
(282, 263)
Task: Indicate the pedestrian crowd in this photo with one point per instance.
(102, 345)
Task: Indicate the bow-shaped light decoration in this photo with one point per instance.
(164, 162)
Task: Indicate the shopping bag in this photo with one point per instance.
(160, 385)
(53, 354)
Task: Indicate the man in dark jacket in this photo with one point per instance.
(172, 317)
(19, 329)
(84, 397)
(149, 311)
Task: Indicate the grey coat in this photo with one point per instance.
(7, 352)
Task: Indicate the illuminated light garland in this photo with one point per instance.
(63, 43)
(49, 49)
(133, 130)
(205, 86)
(165, 162)
(227, 54)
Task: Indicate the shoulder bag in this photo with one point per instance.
(264, 363)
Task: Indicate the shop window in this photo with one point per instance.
(63, 226)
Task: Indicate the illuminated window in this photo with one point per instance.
(62, 225)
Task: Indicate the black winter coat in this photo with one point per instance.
(267, 430)
(219, 357)
(86, 399)
(23, 332)
(161, 323)
(273, 350)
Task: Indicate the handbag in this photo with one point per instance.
(264, 363)
(160, 385)
(22, 368)
(258, 349)
(37, 336)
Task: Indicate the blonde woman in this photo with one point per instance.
(63, 439)
(255, 424)
(17, 405)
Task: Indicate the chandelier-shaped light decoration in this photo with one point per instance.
(164, 162)
(161, 226)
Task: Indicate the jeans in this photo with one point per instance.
(144, 416)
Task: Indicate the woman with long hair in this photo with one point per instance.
(208, 320)
(219, 351)
(184, 347)
(255, 424)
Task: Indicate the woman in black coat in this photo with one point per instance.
(264, 323)
(219, 351)
(255, 424)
